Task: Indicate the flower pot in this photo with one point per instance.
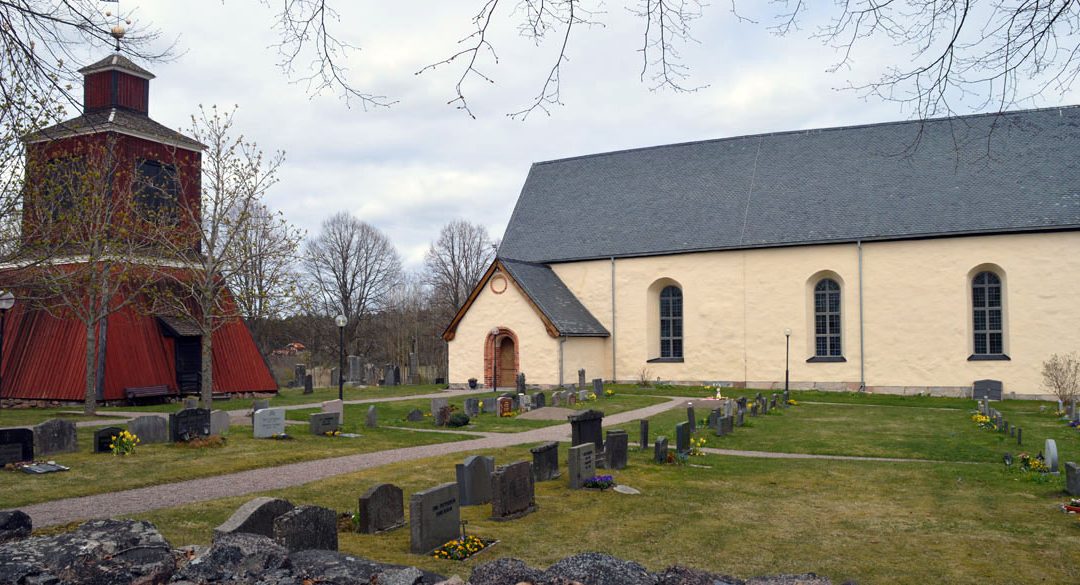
(1074, 509)
(472, 383)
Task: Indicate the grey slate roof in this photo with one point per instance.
(556, 301)
(1013, 172)
(116, 61)
(115, 120)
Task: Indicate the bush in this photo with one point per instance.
(1061, 374)
(458, 419)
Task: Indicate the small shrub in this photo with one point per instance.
(643, 378)
(1061, 375)
(458, 419)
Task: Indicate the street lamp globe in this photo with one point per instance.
(340, 320)
(7, 300)
(787, 332)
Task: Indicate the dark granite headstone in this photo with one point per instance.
(150, 429)
(309, 384)
(16, 525)
(740, 417)
(307, 528)
(727, 424)
(581, 379)
(320, 423)
(991, 389)
(189, 424)
(299, 374)
(506, 406)
(103, 438)
(615, 449)
(1072, 478)
(254, 517)
(660, 450)
(691, 418)
(1019, 436)
(381, 508)
(442, 418)
(191, 402)
(539, 400)
(261, 403)
(598, 387)
(644, 426)
(581, 464)
(474, 480)
(519, 381)
(434, 518)
(512, 491)
(415, 415)
(546, 461)
(16, 445)
(682, 437)
(372, 419)
(55, 436)
(472, 407)
(586, 427)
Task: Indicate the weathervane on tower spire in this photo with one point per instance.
(117, 32)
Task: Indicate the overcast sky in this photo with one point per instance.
(410, 168)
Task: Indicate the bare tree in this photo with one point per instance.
(353, 267)
(456, 261)
(263, 282)
(214, 227)
(1061, 374)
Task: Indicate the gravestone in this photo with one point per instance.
(438, 404)
(1019, 436)
(150, 429)
(787, 397)
(571, 399)
(307, 528)
(415, 415)
(219, 422)
(16, 445)
(474, 480)
(616, 447)
(581, 464)
(388, 375)
(472, 407)
(189, 424)
(546, 461)
(727, 424)
(397, 375)
(335, 407)
(513, 492)
(715, 424)
(581, 379)
(103, 438)
(490, 405)
(691, 418)
(754, 407)
(372, 419)
(434, 518)
(539, 400)
(557, 399)
(644, 427)
(309, 384)
(739, 417)
(55, 436)
(582, 395)
(526, 402)
(268, 422)
(506, 406)
(414, 367)
(254, 517)
(1050, 453)
(299, 374)
(1072, 478)
(990, 389)
(381, 508)
(585, 427)
(598, 387)
(190, 402)
(660, 450)
(519, 381)
(259, 404)
(320, 423)
(442, 418)
(682, 437)
(356, 369)
(334, 377)
(764, 406)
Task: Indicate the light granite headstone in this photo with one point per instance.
(307, 528)
(381, 508)
(438, 404)
(254, 517)
(660, 450)
(191, 402)
(372, 419)
(219, 422)
(150, 429)
(581, 464)
(512, 491)
(55, 436)
(268, 422)
(474, 480)
(472, 407)
(1050, 454)
(336, 407)
(434, 518)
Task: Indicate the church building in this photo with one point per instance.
(901, 257)
(43, 355)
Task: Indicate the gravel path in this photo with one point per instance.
(256, 480)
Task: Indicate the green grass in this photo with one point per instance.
(866, 521)
(394, 413)
(95, 473)
(20, 417)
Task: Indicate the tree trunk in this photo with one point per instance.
(206, 381)
(99, 378)
(90, 404)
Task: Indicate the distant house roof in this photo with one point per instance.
(115, 120)
(179, 326)
(562, 313)
(118, 62)
(1000, 173)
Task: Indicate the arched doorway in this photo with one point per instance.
(501, 358)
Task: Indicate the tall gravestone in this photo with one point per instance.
(382, 508)
(334, 373)
(519, 380)
(268, 422)
(581, 464)
(586, 427)
(691, 419)
(356, 369)
(581, 379)
(256, 516)
(546, 461)
(1050, 453)
(309, 384)
(660, 450)
(512, 491)
(1072, 478)
(644, 428)
(598, 387)
(474, 480)
(682, 438)
(434, 518)
(299, 374)
(616, 449)
(189, 424)
(307, 528)
(414, 368)
(372, 419)
(55, 436)
(150, 429)
(16, 445)
(104, 437)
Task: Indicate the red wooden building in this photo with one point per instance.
(44, 356)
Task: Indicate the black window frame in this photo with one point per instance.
(157, 193)
(828, 321)
(987, 310)
(671, 321)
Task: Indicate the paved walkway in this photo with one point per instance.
(257, 480)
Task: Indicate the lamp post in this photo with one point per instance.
(495, 359)
(340, 321)
(787, 357)
(7, 300)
